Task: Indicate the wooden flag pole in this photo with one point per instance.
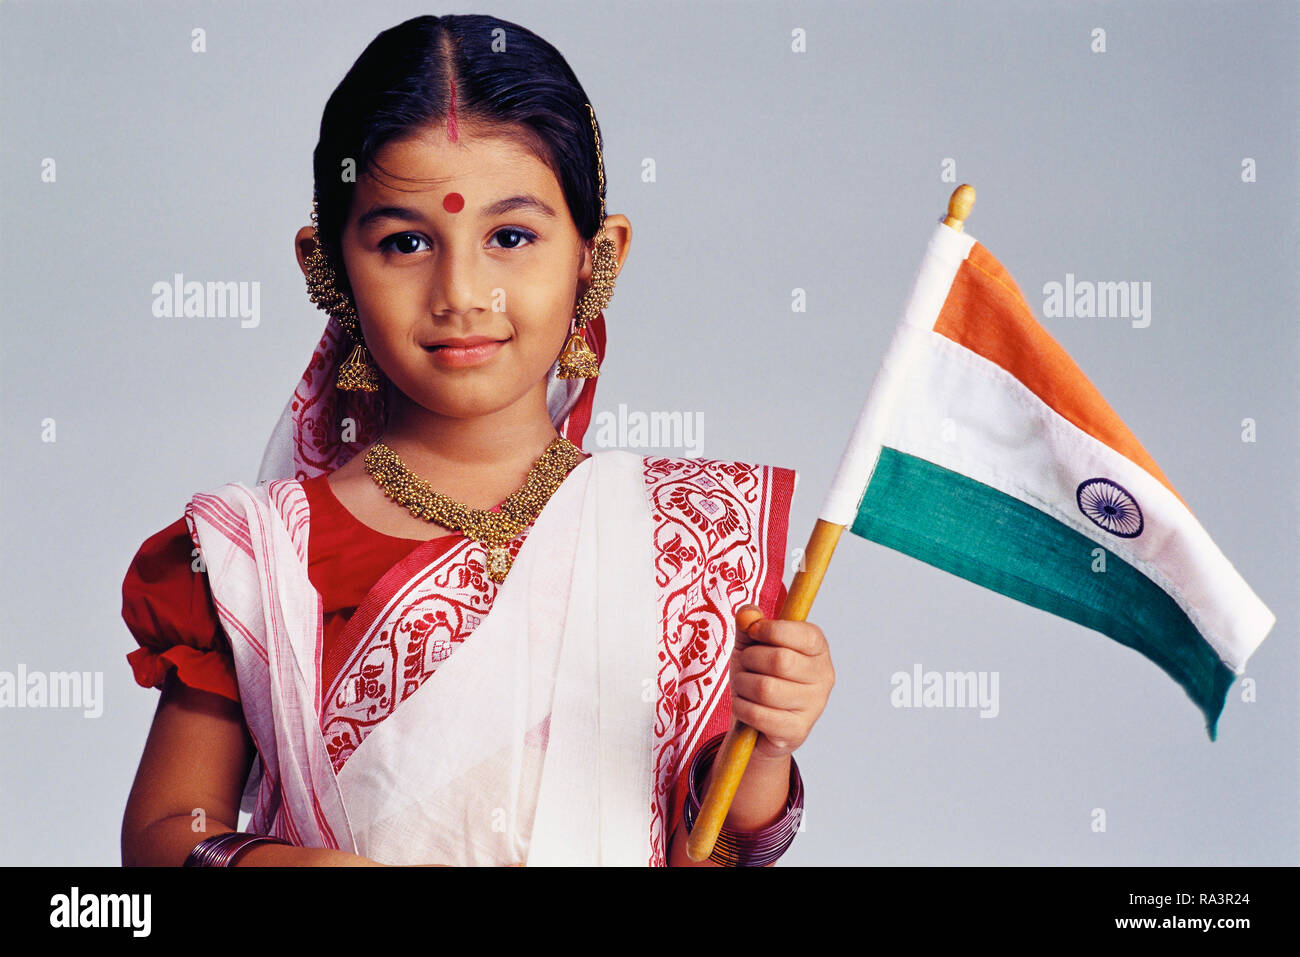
(733, 757)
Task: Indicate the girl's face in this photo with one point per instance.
(465, 240)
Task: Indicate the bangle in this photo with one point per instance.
(735, 848)
(224, 849)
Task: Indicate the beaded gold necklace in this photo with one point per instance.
(493, 530)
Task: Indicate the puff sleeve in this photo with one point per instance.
(167, 606)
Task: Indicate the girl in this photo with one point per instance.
(437, 631)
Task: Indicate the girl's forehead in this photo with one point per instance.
(475, 173)
(397, 193)
(430, 154)
(476, 163)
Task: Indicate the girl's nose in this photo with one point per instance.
(455, 281)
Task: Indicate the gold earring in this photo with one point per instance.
(357, 373)
(578, 360)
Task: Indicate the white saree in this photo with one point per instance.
(559, 730)
(505, 754)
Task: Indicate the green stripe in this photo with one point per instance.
(969, 529)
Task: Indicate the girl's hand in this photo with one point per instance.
(781, 678)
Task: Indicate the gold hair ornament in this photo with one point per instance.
(578, 360)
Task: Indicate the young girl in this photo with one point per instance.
(437, 631)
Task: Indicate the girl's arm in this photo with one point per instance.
(760, 800)
(192, 774)
(781, 679)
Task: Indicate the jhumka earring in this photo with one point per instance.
(357, 373)
(577, 360)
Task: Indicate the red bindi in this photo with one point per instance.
(453, 202)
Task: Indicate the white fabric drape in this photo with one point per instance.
(531, 744)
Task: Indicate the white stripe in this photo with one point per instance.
(945, 252)
(1005, 436)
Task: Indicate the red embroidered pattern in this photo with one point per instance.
(710, 558)
(397, 657)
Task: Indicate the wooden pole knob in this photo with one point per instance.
(959, 206)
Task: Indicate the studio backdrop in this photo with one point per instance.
(783, 166)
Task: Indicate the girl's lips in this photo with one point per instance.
(459, 357)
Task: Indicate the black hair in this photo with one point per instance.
(503, 75)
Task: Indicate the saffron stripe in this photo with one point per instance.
(986, 313)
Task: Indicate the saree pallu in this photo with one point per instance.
(555, 733)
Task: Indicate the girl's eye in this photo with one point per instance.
(408, 243)
(405, 239)
(515, 236)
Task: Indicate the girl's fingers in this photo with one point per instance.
(781, 675)
(783, 728)
(746, 616)
(779, 662)
(771, 692)
(800, 636)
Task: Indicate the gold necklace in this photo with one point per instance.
(493, 530)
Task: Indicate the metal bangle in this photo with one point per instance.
(736, 848)
(223, 849)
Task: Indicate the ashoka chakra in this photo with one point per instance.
(1111, 506)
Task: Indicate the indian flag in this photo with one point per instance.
(983, 450)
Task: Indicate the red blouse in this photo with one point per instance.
(168, 607)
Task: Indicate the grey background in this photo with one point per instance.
(775, 171)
